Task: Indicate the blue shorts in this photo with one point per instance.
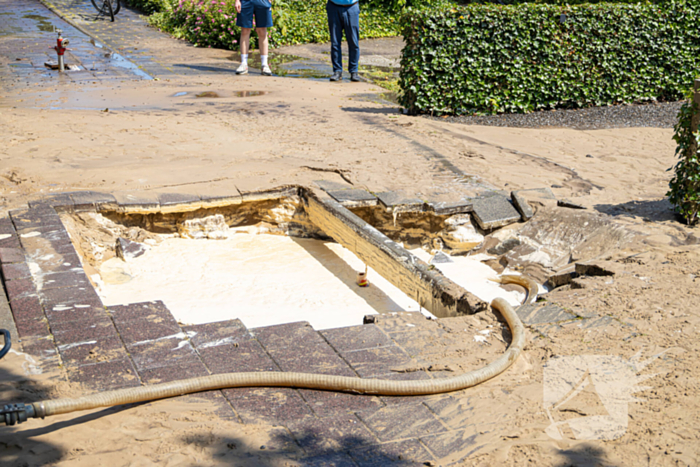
(261, 9)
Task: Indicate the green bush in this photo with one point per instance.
(684, 191)
(151, 6)
(492, 59)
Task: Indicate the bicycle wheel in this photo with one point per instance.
(116, 6)
(108, 6)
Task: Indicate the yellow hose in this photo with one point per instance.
(304, 380)
(530, 285)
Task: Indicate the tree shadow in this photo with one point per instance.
(651, 210)
(311, 448)
(584, 456)
(18, 445)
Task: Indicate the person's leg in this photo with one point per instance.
(264, 46)
(351, 25)
(245, 41)
(335, 28)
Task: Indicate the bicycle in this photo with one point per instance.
(107, 7)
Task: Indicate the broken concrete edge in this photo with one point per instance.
(426, 285)
(163, 203)
(589, 268)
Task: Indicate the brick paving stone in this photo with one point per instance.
(161, 353)
(58, 280)
(98, 350)
(153, 311)
(93, 328)
(398, 422)
(422, 340)
(12, 271)
(70, 296)
(11, 242)
(341, 432)
(32, 327)
(11, 255)
(403, 453)
(220, 332)
(39, 346)
(60, 202)
(286, 342)
(179, 370)
(6, 226)
(89, 200)
(400, 321)
(20, 288)
(105, 376)
(330, 403)
(377, 361)
(271, 405)
(27, 308)
(365, 336)
(70, 313)
(405, 400)
(240, 357)
(141, 331)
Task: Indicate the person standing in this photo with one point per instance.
(262, 11)
(344, 15)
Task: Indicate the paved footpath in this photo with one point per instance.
(27, 35)
(153, 51)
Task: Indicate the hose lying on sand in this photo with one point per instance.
(17, 413)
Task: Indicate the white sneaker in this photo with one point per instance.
(266, 71)
(242, 70)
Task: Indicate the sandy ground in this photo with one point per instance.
(138, 137)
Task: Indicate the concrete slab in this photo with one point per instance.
(400, 201)
(137, 202)
(494, 211)
(522, 198)
(443, 208)
(354, 198)
(330, 185)
(91, 200)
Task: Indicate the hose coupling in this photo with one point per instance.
(17, 413)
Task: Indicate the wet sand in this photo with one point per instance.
(137, 137)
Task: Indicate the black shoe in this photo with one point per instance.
(355, 77)
(337, 76)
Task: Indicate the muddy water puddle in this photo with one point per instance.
(217, 94)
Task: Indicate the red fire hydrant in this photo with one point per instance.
(61, 47)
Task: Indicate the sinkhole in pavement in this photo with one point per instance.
(265, 262)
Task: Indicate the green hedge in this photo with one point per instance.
(492, 59)
(684, 187)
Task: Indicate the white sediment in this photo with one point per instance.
(473, 275)
(260, 279)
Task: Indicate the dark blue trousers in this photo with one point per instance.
(347, 19)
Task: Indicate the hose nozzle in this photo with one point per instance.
(17, 413)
